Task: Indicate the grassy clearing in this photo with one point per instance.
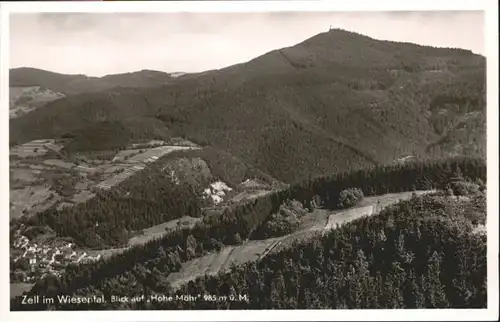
(159, 230)
(249, 195)
(192, 269)
(220, 261)
(24, 175)
(214, 263)
(30, 200)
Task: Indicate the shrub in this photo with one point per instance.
(22, 264)
(350, 197)
(481, 184)
(464, 188)
(285, 221)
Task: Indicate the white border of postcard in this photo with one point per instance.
(261, 6)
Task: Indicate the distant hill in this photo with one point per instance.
(76, 84)
(336, 101)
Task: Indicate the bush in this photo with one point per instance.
(286, 221)
(481, 184)
(22, 264)
(350, 197)
(464, 188)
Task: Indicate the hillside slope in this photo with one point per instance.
(336, 101)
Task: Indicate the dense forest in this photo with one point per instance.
(143, 269)
(421, 253)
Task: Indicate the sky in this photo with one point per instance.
(97, 44)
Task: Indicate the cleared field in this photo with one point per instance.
(135, 162)
(59, 163)
(214, 263)
(20, 110)
(82, 196)
(106, 253)
(159, 230)
(33, 95)
(83, 185)
(315, 220)
(191, 270)
(147, 144)
(219, 262)
(22, 174)
(392, 198)
(248, 195)
(26, 199)
(369, 206)
(153, 154)
(148, 235)
(15, 92)
(31, 199)
(63, 205)
(250, 251)
(114, 180)
(84, 169)
(255, 184)
(182, 142)
(480, 229)
(122, 155)
(34, 148)
(342, 217)
(114, 168)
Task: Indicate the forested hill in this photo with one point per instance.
(77, 84)
(420, 253)
(334, 102)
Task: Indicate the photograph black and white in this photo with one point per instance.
(247, 160)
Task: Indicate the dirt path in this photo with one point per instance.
(348, 215)
(270, 249)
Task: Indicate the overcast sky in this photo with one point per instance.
(97, 44)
